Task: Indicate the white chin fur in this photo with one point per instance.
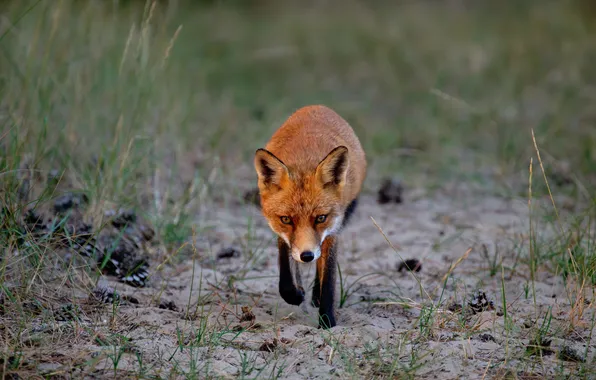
(283, 236)
(332, 230)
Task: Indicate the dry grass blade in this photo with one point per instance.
(396, 251)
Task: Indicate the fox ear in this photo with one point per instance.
(333, 170)
(270, 169)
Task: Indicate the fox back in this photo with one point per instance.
(310, 171)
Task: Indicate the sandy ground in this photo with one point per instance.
(386, 327)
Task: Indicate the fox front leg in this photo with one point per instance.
(316, 289)
(324, 287)
(292, 294)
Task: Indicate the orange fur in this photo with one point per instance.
(313, 165)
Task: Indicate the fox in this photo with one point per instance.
(310, 175)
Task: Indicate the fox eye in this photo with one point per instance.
(286, 219)
(321, 219)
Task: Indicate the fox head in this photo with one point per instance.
(303, 207)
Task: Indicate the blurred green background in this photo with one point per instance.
(437, 90)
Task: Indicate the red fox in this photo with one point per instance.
(310, 174)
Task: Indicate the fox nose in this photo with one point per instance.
(307, 256)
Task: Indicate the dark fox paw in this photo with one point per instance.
(327, 321)
(292, 295)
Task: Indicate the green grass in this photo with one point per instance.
(160, 107)
(449, 88)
